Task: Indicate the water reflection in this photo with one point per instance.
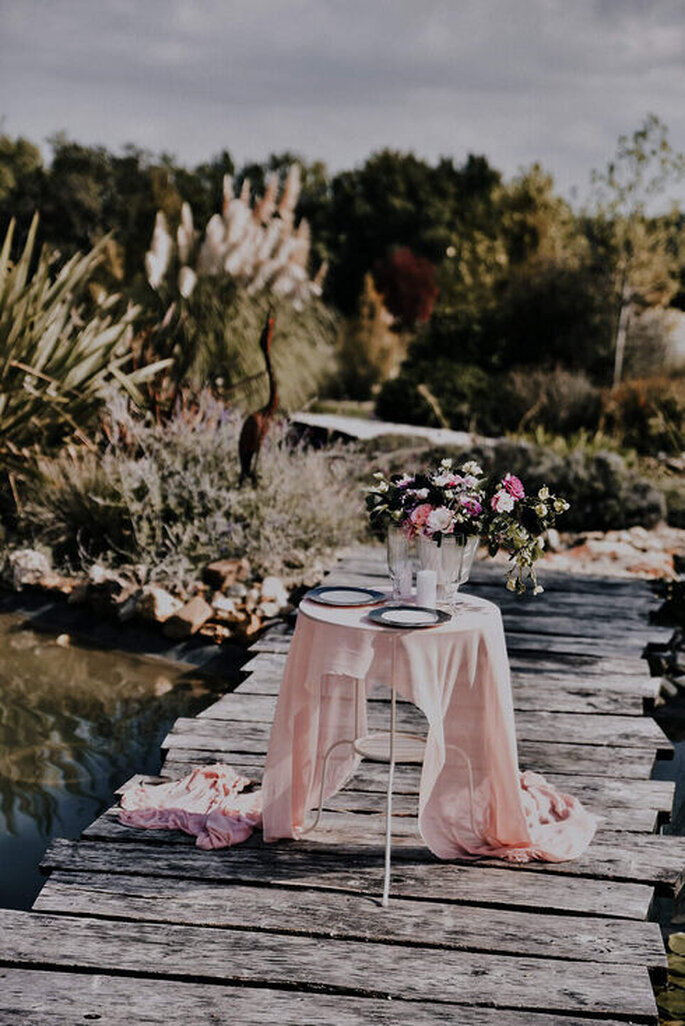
(74, 724)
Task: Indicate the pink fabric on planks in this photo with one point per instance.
(473, 800)
(210, 802)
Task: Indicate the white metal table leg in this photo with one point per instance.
(388, 814)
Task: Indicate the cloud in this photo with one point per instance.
(519, 81)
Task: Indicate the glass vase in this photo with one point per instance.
(451, 560)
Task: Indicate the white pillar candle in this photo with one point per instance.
(426, 588)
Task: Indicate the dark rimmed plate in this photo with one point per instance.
(409, 616)
(342, 595)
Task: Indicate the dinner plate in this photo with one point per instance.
(342, 595)
(409, 616)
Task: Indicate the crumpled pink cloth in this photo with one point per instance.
(210, 802)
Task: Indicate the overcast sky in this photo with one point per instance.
(518, 80)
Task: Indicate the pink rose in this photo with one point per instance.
(472, 506)
(419, 515)
(514, 486)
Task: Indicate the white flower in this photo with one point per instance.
(382, 486)
(511, 584)
(440, 480)
(379, 475)
(470, 481)
(560, 505)
(541, 509)
(543, 493)
(503, 502)
(446, 463)
(538, 589)
(440, 519)
(471, 467)
(420, 493)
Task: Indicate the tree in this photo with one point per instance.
(638, 249)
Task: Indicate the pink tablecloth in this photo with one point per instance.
(473, 800)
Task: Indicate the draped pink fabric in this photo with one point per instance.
(473, 800)
(211, 803)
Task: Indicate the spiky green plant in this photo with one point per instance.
(56, 367)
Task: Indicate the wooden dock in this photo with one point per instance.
(142, 927)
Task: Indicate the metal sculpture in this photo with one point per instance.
(257, 424)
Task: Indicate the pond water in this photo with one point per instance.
(74, 724)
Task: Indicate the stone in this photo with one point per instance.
(27, 566)
(127, 608)
(188, 620)
(269, 609)
(79, 594)
(274, 591)
(237, 590)
(252, 598)
(223, 573)
(553, 540)
(157, 604)
(226, 609)
(52, 581)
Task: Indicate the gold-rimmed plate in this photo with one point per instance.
(342, 595)
(409, 616)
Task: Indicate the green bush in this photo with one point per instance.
(559, 401)
(647, 414)
(464, 394)
(166, 500)
(57, 364)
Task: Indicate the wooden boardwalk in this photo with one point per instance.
(142, 927)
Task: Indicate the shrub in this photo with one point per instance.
(166, 500)
(647, 414)
(464, 394)
(560, 401)
(56, 367)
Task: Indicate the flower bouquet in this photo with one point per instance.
(451, 500)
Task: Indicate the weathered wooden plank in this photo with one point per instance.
(32, 997)
(539, 725)
(602, 793)
(544, 757)
(357, 871)
(549, 695)
(366, 968)
(656, 859)
(354, 917)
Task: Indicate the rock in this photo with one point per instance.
(252, 598)
(52, 581)
(553, 540)
(226, 609)
(127, 608)
(188, 620)
(110, 593)
(651, 564)
(79, 594)
(28, 566)
(63, 640)
(274, 591)
(269, 609)
(237, 590)
(157, 604)
(223, 573)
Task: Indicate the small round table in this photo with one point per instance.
(472, 799)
